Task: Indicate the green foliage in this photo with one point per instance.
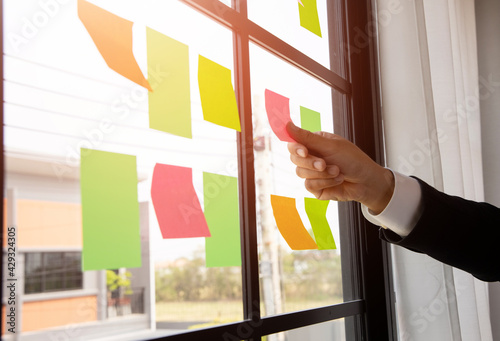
(305, 276)
(312, 275)
(115, 281)
(194, 282)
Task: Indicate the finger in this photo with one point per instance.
(329, 173)
(333, 193)
(309, 162)
(317, 185)
(314, 142)
(317, 194)
(326, 134)
(300, 135)
(297, 149)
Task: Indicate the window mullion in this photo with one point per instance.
(246, 177)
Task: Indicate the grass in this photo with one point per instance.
(199, 311)
(221, 312)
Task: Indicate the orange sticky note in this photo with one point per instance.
(112, 36)
(290, 225)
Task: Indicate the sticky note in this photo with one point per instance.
(308, 13)
(110, 211)
(278, 114)
(310, 119)
(168, 74)
(176, 204)
(218, 99)
(316, 212)
(221, 203)
(112, 35)
(290, 225)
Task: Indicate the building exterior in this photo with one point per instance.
(55, 299)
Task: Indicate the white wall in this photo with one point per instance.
(488, 32)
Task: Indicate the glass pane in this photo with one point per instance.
(290, 280)
(33, 262)
(60, 96)
(53, 262)
(281, 18)
(226, 2)
(333, 330)
(72, 260)
(53, 281)
(73, 280)
(33, 284)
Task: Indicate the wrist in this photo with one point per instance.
(381, 191)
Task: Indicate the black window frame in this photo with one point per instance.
(66, 271)
(369, 301)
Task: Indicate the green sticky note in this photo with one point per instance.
(308, 13)
(218, 99)
(221, 203)
(310, 119)
(316, 212)
(110, 211)
(168, 75)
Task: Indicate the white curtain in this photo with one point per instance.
(430, 104)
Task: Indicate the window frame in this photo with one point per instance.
(366, 274)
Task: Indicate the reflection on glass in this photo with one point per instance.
(281, 18)
(290, 280)
(334, 330)
(190, 295)
(61, 96)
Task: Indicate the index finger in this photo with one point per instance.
(297, 149)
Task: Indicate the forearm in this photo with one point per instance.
(455, 231)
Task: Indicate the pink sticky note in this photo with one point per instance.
(176, 204)
(278, 114)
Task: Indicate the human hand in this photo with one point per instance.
(336, 169)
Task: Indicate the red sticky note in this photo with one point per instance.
(278, 114)
(176, 204)
(290, 225)
(112, 35)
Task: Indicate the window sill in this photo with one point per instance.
(46, 296)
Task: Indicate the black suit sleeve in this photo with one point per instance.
(462, 233)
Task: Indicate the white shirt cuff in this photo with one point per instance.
(404, 208)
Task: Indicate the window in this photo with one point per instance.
(61, 94)
(52, 271)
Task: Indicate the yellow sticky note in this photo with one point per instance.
(316, 212)
(309, 19)
(218, 99)
(290, 225)
(168, 74)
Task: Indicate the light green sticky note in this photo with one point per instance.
(218, 99)
(221, 203)
(110, 211)
(310, 119)
(168, 75)
(316, 212)
(309, 19)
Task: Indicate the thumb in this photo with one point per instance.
(316, 144)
